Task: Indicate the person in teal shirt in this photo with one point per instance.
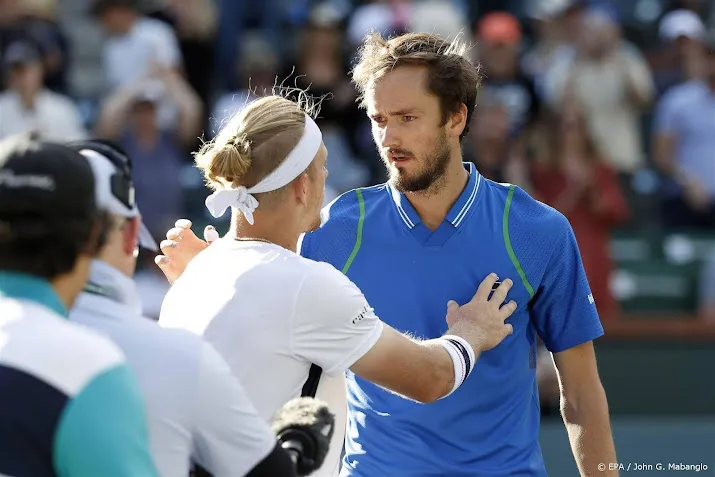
(70, 406)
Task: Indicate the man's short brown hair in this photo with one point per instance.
(452, 77)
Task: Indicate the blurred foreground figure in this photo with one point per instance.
(70, 406)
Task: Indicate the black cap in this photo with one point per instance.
(44, 181)
(20, 53)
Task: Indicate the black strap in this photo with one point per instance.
(311, 384)
(309, 389)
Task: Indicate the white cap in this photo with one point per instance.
(114, 189)
(681, 23)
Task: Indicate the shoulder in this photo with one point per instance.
(152, 26)
(529, 224)
(352, 204)
(682, 94)
(341, 224)
(59, 100)
(62, 353)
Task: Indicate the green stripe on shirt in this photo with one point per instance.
(507, 242)
(358, 240)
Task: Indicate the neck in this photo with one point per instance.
(279, 229)
(125, 265)
(27, 98)
(146, 137)
(433, 204)
(68, 287)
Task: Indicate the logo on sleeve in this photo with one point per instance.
(590, 299)
(361, 316)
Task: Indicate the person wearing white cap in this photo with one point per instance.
(197, 411)
(682, 33)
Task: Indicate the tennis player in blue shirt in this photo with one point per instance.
(433, 232)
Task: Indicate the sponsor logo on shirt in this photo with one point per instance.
(361, 316)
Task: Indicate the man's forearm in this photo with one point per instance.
(588, 425)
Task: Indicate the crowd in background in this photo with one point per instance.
(603, 110)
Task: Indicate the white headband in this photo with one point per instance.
(297, 161)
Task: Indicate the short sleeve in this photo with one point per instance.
(103, 431)
(563, 309)
(230, 436)
(667, 117)
(333, 325)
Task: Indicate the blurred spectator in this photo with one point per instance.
(487, 143)
(499, 40)
(321, 66)
(136, 44)
(35, 21)
(681, 32)
(612, 83)
(683, 147)
(707, 289)
(257, 73)
(443, 18)
(574, 179)
(195, 23)
(27, 105)
(387, 17)
(236, 20)
(130, 116)
(39, 23)
(556, 24)
(394, 17)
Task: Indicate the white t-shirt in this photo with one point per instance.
(54, 116)
(131, 56)
(272, 313)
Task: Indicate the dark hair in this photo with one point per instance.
(100, 6)
(452, 77)
(33, 246)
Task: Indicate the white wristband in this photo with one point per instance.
(462, 356)
(471, 357)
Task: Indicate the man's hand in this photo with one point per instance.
(481, 321)
(180, 247)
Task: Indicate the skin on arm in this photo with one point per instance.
(584, 409)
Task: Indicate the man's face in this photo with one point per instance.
(115, 20)
(406, 128)
(317, 190)
(144, 116)
(26, 78)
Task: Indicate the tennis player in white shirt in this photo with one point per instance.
(276, 316)
(197, 410)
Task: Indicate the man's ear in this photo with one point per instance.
(130, 235)
(458, 121)
(301, 188)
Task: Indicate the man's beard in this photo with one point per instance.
(434, 167)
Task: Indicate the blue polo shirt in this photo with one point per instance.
(490, 425)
